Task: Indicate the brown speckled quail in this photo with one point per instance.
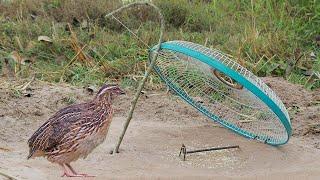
(74, 131)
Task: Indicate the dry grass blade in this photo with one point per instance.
(26, 85)
(87, 60)
(15, 56)
(45, 39)
(71, 61)
(19, 43)
(7, 71)
(313, 78)
(5, 149)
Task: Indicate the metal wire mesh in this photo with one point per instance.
(235, 107)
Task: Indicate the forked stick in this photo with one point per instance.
(149, 69)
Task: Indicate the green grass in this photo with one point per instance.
(261, 35)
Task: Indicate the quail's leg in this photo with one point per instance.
(74, 172)
(68, 172)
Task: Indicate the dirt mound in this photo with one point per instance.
(292, 94)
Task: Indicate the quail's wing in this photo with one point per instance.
(67, 136)
(56, 127)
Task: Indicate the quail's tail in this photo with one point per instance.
(30, 155)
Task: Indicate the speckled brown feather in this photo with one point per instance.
(64, 132)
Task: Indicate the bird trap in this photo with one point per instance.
(217, 86)
(223, 90)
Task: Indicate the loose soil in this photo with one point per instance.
(161, 123)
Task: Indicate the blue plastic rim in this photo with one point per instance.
(217, 64)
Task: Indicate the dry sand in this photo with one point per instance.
(161, 123)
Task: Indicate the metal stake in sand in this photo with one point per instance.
(184, 151)
(150, 67)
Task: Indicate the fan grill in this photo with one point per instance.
(235, 108)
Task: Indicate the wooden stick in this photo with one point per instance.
(148, 71)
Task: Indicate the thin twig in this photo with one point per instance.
(7, 176)
(76, 47)
(71, 61)
(149, 69)
(27, 84)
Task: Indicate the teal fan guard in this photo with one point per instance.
(223, 90)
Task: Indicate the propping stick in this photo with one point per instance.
(148, 71)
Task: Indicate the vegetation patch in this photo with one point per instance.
(271, 38)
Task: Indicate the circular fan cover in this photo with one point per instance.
(223, 90)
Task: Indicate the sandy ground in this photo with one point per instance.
(161, 123)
